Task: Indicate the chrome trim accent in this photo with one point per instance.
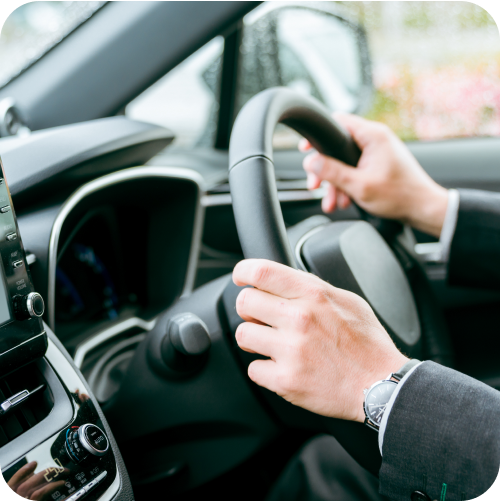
(29, 304)
(301, 242)
(110, 355)
(217, 200)
(30, 258)
(43, 333)
(13, 401)
(87, 445)
(116, 178)
(107, 334)
(73, 382)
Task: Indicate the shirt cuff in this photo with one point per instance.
(449, 224)
(388, 408)
(440, 252)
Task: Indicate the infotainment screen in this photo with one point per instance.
(22, 336)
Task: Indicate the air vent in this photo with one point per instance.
(31, 402)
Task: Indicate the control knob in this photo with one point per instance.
(29, 306)
(87, 439)
(186, 343)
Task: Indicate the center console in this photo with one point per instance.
(55, 443)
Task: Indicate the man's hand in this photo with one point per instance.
(388, 181)
(325, 345)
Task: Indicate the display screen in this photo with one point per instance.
(5, 315)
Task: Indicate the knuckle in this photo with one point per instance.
(320, 294)
(289, 382)
(242, 333)
(365, 191)
(253, 372)
(241, 300)
(301, 317)
(261, 273)
(383, 131)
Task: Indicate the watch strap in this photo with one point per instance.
(405, 369)
(371, 425)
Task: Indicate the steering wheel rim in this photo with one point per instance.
(251, 168)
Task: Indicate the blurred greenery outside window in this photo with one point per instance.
(435, 67)
(34, 28)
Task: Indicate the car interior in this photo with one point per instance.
(147, 150)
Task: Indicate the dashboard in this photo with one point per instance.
(113, 248)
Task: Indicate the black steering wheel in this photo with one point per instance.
(351, 255)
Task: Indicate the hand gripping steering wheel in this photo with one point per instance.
(350, 255)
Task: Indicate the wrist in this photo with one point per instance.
(379, 373)
(429, 211)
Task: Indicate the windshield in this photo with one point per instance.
(33, 29)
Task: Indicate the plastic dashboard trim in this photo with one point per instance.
(110, 180)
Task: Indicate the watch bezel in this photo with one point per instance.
(369, 390)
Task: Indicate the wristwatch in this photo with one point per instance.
(378, 395)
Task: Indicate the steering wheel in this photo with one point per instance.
(352, 255)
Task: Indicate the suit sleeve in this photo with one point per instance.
(474, 259)
(442, 437)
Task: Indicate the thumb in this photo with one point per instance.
(334, 171)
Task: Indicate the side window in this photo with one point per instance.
(429, 70)
(186, 99)
(436, 68)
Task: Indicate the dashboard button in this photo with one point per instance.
(93, 439)
(102, 476)
(91, 485)
(5, 209)
(17, 264)
(11, 237)
(77, 495)
(96, 481)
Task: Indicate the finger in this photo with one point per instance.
(44, 491)
(264, 373)
(304, 145)
(22, 474)
(343, 201)
(257, 339)
(262, 306)
(338, 173)
(313, 181)
(329, 202)
(32, 483)
(272, 277)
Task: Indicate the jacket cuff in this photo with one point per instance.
(443, 430)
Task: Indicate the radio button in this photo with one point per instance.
(5, 209)
(11, 237)
(17, 264)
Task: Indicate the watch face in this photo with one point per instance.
(376, 400)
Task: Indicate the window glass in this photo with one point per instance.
(435, 65)
(186, 99)
(34, 28)
(436, 68)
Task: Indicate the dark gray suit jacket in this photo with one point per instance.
(443, 433)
